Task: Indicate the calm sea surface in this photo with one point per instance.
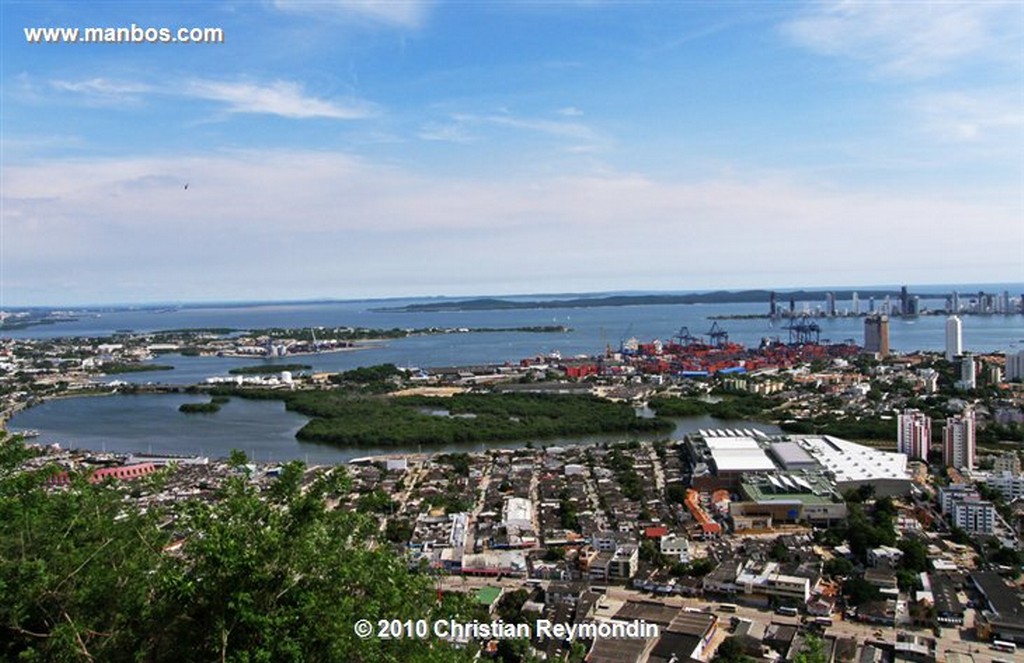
(266, 431)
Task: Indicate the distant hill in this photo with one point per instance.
(716, 297)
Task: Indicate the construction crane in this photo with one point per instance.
(719, 337)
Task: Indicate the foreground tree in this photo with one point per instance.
(275, 576)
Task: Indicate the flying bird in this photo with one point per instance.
(186, 186)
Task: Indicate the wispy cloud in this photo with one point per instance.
(454, 132)
(973, 115)
(282, 98)
(340, 216)
(911, 39)
(471, 127)
(560, 128)
(396, 13)
(102, 91)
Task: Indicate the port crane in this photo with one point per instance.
(719, 337)
(685, 337)
(801, 331)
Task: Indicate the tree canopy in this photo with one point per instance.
(249, 576)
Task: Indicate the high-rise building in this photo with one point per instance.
(855, 304)
(954, 338)
(956, 302)
(773, 308)
(967, 373)
(876, 335)
(958, 442)
(1014, 366)
(830, 304)
(914, 434)
(904, 301)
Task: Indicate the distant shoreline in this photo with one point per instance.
(557, 298)
(718, 297)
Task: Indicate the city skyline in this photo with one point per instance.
(363, 150)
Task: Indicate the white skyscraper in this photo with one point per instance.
(914, 434)
(954, 338)
(855, 304)
(958, 442)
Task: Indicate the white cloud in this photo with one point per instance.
(570, 111)
(976, 115)
(313, 220)
(282, 98)
(104, 91)
(470, 127)
(453, 133)
(912, 39)
(397, 13)
(103, 87)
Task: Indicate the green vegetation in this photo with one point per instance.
(568, 516)
(259, 576)
(858, 591)
(269, 369)
(993, 433)
(378, 379)
(459, 462)
(731, 651)
(849, 429)
(199, 408)
(626, 477)
(678, 407)
(732, 405)
(698, 568)
(115, 368)
(813, 651)
(398, 530)
(838, 566)
(376, 501)
(344, 419)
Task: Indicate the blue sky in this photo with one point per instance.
(362, 149)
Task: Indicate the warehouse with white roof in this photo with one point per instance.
(719, 459)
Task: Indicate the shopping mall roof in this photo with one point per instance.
(738, 454)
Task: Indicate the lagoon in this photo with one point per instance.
(262, 429)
